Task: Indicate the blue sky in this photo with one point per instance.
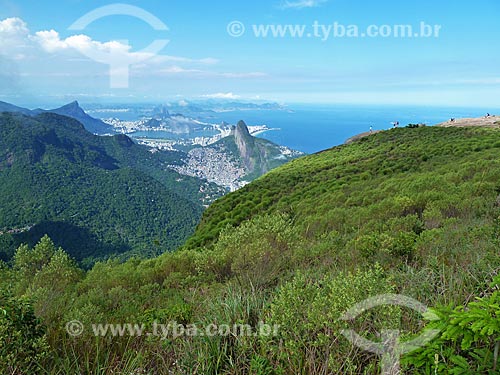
(42, 61)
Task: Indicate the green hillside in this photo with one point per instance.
(408, 211)
(95, 196)
(358, 188)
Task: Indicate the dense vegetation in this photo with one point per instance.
(412, 211)
(95, 196)
(392, 174)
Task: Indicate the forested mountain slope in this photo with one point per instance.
(96, 196)
(357, 188)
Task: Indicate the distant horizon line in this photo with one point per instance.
(126, 101)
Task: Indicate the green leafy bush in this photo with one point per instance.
(308, 311)
(24, 347)
(469, 342)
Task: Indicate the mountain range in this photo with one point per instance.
(101, 196)
(72, 110)
(96, 196)
(205, 109)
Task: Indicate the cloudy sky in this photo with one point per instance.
(52, 52)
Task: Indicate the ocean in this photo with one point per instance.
(312, 129)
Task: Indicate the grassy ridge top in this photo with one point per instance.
(422, 164)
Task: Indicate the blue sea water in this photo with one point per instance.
(315, 128)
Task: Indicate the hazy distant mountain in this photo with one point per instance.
(72, 110)
(7, 107)
(93, 125)
(205, 109)
(242, 106)
(176, 123)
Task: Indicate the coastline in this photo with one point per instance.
(258, 132)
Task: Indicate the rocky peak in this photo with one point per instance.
(72, 109)
(245, 143)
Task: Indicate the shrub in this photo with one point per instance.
(470, 339)
(256, 253)
(23, 343)
(307, 311)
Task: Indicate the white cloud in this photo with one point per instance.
(51, 42)
(178, 70)
(178, 59)
(222, 95)
(244, 75)
(15, 37)
(48, 54)
(198, 73)
(13, 34)
(13, 26)
(301, 4)
(209, 61)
